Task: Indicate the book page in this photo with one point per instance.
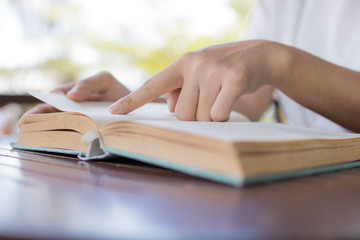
(251, 131)
(157, 114)
(99, 112)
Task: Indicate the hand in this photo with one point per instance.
(204, 85)
(100, 87)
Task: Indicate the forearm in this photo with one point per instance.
(325, 88)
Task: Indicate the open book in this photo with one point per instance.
(234, 152)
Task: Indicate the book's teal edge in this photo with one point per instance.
(218, 177)
(203, 173)
(45, 149)
(301, 173)
(234, 180)
(178, 167)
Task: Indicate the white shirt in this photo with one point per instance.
(325, 28)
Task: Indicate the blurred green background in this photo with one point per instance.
(48, 42)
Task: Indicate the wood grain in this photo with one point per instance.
(46, 196)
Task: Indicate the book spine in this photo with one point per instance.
(96, 147)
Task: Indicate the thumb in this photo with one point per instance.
(91, 87)
(172, 98)
(80, 92)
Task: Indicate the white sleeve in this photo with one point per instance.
(274, 20)
(262, 23)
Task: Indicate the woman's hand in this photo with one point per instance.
(100, 87)
(204, 85)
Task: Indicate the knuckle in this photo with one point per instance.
(128, 101)
(107, 76)
(84, 83)
(217, 116)
(198, 57)
(97, 80)
(233, 81)
(184, 115)
(197, 61)
(104, 73)
(202, 58)
(188, 56)
(205, 51)
(235, 77)
(150, 86)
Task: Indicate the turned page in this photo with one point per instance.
(157, 114)
(98, 111)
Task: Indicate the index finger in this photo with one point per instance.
(163, 82)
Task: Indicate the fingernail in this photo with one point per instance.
(115, 108)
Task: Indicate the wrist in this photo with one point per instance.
(281, 64)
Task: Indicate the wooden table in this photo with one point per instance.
(8, 98)
(43, 196)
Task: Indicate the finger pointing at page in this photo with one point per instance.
(208, 81)
(165, 81)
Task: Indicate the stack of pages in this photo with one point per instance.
(236, 152)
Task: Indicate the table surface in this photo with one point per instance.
(9, 98)
(45, 196)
